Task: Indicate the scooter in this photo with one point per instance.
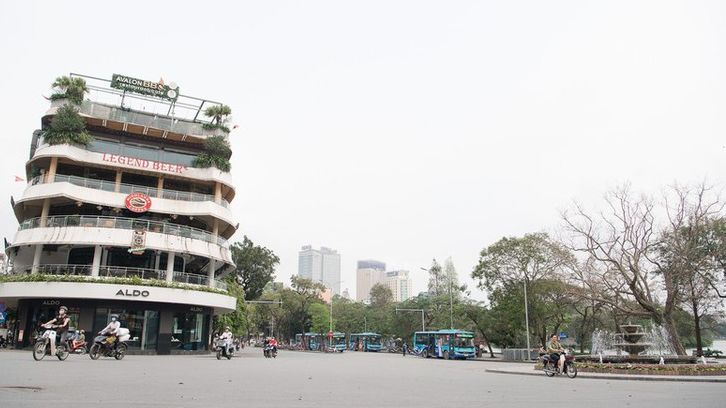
(117, 349)
(225, 348)
(77, 347)
(549, 365)
(270, 351)
(42, 346)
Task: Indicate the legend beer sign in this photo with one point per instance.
(140, 86)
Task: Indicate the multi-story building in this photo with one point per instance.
(368, 273)
(400, 284)
(320, 265)
(127, 224)
(310, 264)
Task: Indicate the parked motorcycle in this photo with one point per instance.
(224, 348)
(270, 351)
(549, 365)
(41, 346)
(116, 349)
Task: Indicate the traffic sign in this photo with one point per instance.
(563, 335)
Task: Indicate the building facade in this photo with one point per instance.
(125, 225)
(400, 284)
(367, 274)
(320, 265)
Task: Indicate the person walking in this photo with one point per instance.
(405, 348)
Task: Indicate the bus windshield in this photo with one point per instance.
(463, 342)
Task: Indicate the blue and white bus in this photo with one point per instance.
(447, 344)
(310, 341)
(364, 342)
(338, 342)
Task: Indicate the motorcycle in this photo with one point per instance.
(116, 349)
(77, 347)
(41, 346)
(549, 365)
(270, 351)
(224, 349)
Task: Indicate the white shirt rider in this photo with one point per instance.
(112, 328)
(226, 336)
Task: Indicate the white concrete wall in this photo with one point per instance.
(121, 238)
(12, 291)
(112, 199)
(81, 155)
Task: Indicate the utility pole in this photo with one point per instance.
(526, 317)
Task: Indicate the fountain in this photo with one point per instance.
(633, 344)
(630, 339)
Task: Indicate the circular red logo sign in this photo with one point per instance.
(138, 202)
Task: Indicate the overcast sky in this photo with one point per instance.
(402, 130)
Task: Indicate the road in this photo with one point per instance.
(298, 379)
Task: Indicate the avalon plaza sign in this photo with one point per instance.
(140, 86)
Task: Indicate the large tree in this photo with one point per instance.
(381, 295)
(533, 263)
(255, 267)
(638, 258)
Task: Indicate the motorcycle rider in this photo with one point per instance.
(556, 351)
(60, 324)
(272, 343)
(227, 337)
(79, 340)
(111, 330)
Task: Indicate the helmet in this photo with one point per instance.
(114, 317)
(63, 308)
(227, 328)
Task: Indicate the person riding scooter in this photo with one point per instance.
(111, 330)
(60, 325)
(556, 351)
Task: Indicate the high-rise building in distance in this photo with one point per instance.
(368, 273)
(400, 284)
(320, 265)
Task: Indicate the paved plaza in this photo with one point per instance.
(300, 379)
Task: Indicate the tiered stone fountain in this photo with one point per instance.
(630, 340)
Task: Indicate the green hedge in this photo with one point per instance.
(37, 277)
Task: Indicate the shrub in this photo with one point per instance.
(71, 88)
(217, 153)
(67, 127)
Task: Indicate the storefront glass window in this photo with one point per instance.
(143, 326)
(190, 331)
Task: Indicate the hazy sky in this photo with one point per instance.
(402, 130)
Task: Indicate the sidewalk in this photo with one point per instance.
(528, 369)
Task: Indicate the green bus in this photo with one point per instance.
(364, 342)
(447, 344)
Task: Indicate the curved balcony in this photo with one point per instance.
(123, 223)
(120, 272)
(129, 188)
(95, 159)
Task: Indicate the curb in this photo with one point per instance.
(621, 377)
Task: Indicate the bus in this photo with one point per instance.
(364, 342)
(338, 343)
(447, 344)
(313, 341)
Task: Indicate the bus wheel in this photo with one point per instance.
(446, 355)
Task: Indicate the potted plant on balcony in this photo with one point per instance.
(220, 116)
(67, 127)
(217, 153)
(71, 88)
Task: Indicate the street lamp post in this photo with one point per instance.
(526, 317)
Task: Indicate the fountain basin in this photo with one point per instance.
(639, 359)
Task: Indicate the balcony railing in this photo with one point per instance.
(121, 272)
(123, 223)
(114, 113)
(129, 188)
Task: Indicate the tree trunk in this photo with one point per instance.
(697, 326)
(675, 339)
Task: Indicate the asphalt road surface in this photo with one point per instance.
(299, 379)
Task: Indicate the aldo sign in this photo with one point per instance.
(132, 293)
